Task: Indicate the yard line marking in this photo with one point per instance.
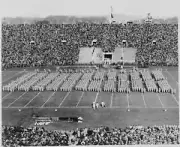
(164, 107)
(172, 76)
(84, 107)
(87, 107)
(64, 99)
(76, 107)
(6, 95)
(17, 99)
(11, 71)
(175, 99)
(32, 99)
(117, 107)
(144, 100)
(111, 100)
(80, 98)
(14, 107)
(160, 100)
(12, 76)
(96, 97)
(48, 99)
(128, 100)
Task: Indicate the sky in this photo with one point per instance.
(43, 8)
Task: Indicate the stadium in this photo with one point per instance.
(94, 77)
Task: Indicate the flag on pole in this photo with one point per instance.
(112, 12)
(112, 16)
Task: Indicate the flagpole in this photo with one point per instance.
(111, 15)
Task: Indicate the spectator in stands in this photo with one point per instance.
(52, 44)
(132, 135)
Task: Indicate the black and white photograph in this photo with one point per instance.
(89, 72)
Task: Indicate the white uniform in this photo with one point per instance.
(94, 105)
(102, 104)
(97, 105)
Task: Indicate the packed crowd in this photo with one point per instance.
(157, 74)
(31, 84)
(149, 81)
(58, 44)
(95, 85)
(151, 86)
(70, 83)
(41, 86)
(165, 87)
(84, 81)
(110, 86)
(131, 135)
(16, 83)
(99, 75)
(123, 86)
(92, 80)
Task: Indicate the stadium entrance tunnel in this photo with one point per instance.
(107, 58)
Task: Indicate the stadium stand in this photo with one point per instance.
(132, 135)
(34, 45)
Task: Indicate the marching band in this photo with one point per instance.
(92, 80)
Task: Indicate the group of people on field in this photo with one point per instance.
(134, 80)
(96, 105)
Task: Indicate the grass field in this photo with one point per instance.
(146, 108)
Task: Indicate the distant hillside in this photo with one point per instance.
(120, 18)
(55, 20)
(20, 20)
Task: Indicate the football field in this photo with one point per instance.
(145, 108)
